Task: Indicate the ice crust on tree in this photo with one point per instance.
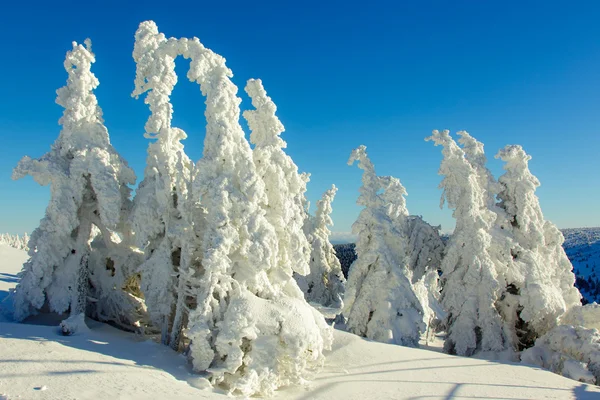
(251, 328)
(325, 284)
(89, 201)
(380, 302)
(473, 281)
(284, 186)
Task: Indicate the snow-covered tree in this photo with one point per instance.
(325, 283)
(542, 277)
(380, 302)
(473, 281)
(249, 327)
(503, 243)
(284, 186)
(89, 198)
(162, 214)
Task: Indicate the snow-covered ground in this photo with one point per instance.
(36, 362)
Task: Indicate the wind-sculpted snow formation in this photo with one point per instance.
(326, 282)
(248, 325)
(88, 205)
(572, 351)
(380, 301)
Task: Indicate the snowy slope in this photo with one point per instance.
(38, 363)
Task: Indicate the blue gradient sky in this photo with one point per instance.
(383, 74)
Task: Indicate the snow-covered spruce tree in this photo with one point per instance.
(325, 283)
(251, 328)
(380, 302)
(162, 213)
(88, 182)
(501, 252)
(472, 282)
(543, 278)
(284, 186)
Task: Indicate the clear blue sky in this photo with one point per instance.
(383, 74)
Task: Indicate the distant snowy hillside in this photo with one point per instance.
(582, 246)
(36, 362)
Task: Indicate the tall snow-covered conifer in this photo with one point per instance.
(88, 182)
(472, 283)
(543, 273)
(251, 328)
(325, 283)
(380, 302)
(162, 213)
(284, 186)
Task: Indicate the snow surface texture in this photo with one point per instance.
(37, 362)
(380, 301)
(89, 199)
(251, 328)
(325, 284)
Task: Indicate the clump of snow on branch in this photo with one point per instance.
(251, 328)
(326, 283)
(89, 201)
(380, 302)
(472, 284)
